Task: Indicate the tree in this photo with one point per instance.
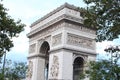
(103, 70)
(14, 70)
(19, 70)
(104, 16)
(9, 28)
(106, 69)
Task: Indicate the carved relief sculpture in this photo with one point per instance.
(55, 67)
(30, 70)
(80, 41)
(56, 39)
(32, 48)
(80, 28)
(48, 30)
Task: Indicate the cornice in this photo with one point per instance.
(66, 5)
(36, 55)
(62, 17)
(73, 50)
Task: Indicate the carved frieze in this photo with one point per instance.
(80, 28)
(30, 70)
(43, 30)
(74, 19)
(40, 41)
(80, 41)
(56, 39)
(48, 31)
(46, 38)
(54, 70)
(32, 48)
(72, 11)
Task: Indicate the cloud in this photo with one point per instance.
(31, 10)
(20, 50)
(21, 10)
(102, 45)
(100, 49)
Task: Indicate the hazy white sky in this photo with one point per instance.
(31, 10)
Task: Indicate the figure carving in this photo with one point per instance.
(32, 48)
(55, 67)
(48, 31)
(53, 28)
(30, 70)
(80, 28)
(80, 41)
(56, 39)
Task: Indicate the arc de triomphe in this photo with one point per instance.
(60, 46)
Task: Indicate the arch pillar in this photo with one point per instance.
(40, 69)
(60, 65)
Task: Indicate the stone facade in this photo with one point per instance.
(56, 41)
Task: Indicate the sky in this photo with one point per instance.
(31, 10)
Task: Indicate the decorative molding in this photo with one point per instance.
(30, 70)
(48, 38)
(32, 48)
(56, 39)
(66, 5)
(40, 41)
(82, 55)
(36, 55)
(47, 31)
(74, 19)
(62, 17)
(80, 41)
(54, 70)
(74, 12)
(80, 28)
(46, 25)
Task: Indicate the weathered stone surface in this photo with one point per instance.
(56, 41)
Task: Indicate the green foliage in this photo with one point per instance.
(103, 70)
(106, 69)
(1, 76)
(8, 29)
(14, 71)
(104, 16)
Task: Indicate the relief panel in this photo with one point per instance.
(32, 48)
(56, 40)
(30, 70)
(80, 41)
(47, 31)
(80, 28)
(54, 70)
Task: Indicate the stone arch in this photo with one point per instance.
(44, 51)
(44, 47)
(76, 56)
(78, 65)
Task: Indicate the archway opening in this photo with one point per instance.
(44, 50)
(78, 68)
